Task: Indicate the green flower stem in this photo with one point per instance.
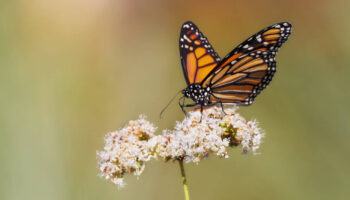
(184, 181)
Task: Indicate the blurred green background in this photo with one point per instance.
(71, 71)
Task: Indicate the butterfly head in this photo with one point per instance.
(198, 94)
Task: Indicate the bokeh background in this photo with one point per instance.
(71, 71)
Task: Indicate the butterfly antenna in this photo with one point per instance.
(172, 99)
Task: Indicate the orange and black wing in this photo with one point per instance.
(198, 57)
(249, 68)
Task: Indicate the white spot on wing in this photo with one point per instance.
(259, 39)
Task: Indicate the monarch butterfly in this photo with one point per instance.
(237, 78)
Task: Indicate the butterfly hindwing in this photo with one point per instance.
(249, 68)
(198, 57)
(242, 81)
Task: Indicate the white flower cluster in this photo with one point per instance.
(193, 139)
(126, 150)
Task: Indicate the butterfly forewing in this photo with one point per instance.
(249, 68)
(198, 57)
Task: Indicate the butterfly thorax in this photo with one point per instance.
(198, 94)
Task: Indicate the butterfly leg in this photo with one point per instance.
(187, 106)
(201, 113)
(222, 107)
(182, 105)
(192, 105)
